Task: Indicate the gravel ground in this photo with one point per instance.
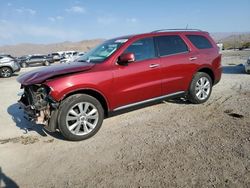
(172, 144)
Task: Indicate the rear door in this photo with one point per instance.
(174, 59)
(205, 50)
(139, 80)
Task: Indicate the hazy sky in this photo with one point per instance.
(49, 21)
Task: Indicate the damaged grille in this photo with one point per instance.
(35, 96)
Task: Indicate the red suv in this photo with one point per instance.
(119, 75)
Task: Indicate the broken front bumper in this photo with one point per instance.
(37, 105)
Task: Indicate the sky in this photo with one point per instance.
(50, 21)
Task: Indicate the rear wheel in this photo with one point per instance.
(24, 65)
(80, 117)
(200, 88)
(46, 63)
(5, 72)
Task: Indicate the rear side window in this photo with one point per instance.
(143, 49)
(199, 41)
(169, 45)
(37, 57)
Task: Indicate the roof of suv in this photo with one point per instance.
(164, 32)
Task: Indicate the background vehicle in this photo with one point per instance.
(7, 55)
(36, 59)
(247, 66)
(55, 56)
(22, 58)
(119, 75)
(69, 56)
(8, 65)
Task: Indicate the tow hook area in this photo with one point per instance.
(44, 116)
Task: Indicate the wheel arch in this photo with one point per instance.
(7, 67)
(96, 94)
(209, 71)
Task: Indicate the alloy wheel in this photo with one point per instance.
(6, 72)
(202, 88)
(82, 118)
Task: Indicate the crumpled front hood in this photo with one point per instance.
(39, 75)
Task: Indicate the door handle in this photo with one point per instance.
(193, 58)
(154, 65)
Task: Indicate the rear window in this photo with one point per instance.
(169, 45)
(199, 41)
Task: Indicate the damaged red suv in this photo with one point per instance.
(119, 75)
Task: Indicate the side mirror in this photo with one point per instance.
(126, 58)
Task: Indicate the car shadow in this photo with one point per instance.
(233, 69)
(15, 74)
(8, 182)
(26, 126)
(178, 101)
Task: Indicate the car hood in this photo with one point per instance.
(38, 76)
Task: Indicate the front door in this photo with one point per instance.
(139, 80)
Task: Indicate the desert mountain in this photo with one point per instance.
(229, 39)
(26, 48)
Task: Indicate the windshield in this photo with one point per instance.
(103, 51)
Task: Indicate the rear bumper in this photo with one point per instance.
(18, 69)
(217, 75)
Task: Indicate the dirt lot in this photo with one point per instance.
(172, 144)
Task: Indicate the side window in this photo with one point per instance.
(142, 49)
(169, 45)
(199, 41)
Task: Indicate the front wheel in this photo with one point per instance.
(80, 117)
(5, 72)
(200, 88)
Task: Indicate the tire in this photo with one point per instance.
(200, 88)
(5, 72)
(75, 125)
(46, 63)
(24, 65)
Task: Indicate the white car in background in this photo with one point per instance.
(247, 66)
(70, 57)
(55, 56)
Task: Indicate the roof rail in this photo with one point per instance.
(162, 30)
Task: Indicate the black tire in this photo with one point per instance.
(5, 72)
(192, 93)
(67, 105)
(24, 65)
(46, 63)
